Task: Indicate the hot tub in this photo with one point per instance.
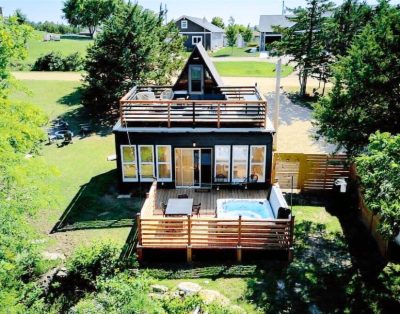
(247, 208)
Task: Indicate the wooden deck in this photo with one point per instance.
(208, 200)
(206, 231)
(240, 106)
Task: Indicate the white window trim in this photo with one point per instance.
(164, 163)
(259, 163)
(124, 179)
(184, 24)
(201, 39)
(146, 163)
(228, 163)
(246, 163)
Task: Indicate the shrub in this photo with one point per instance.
(99, 260)
(54, 61)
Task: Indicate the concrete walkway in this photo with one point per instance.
(48, 76)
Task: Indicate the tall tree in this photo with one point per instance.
(379, 168)
(304, 41)
(366, 93)
(13, 38)
(347, 21)
(231, 33)
(218, 21)
(135, 47)
(89, 13)
(247, 34)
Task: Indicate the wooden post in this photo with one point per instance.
(189, 254)
(139, 249)
(194, 114)
(219, 116)
(240, 231)
(189, 230)
(139, 228)
(239, 254)
(291, 231)
(169, 114)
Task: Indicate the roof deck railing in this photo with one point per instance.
(242, 106)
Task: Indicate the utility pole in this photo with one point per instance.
(283, 7)
(277, 100)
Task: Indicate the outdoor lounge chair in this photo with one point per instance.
(67, 138)
(196, 209)
(145, 96)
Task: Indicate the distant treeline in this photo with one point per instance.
(51, 27)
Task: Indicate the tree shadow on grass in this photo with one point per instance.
(96, 206)
(99, 124)
(331, 272)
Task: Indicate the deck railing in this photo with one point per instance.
(203, 233)
(244, 107)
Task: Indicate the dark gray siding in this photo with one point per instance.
(194, 30)
(206, 39)
(202, 140)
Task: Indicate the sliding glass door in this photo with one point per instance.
(192, 167)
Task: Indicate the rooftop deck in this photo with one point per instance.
(230, 107)
(206, 231)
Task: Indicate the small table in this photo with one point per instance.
(179, 206)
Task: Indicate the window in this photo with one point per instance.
(146, 161)
(196, 39)
(128, 162)
(184, 24)
(196, 78)
(222, 163)
(163, 153)
(239, 164)
(257, 163)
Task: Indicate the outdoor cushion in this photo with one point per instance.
(277, 200)
(145, 96)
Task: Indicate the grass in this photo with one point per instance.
(235, 52)
(81, 167)
(37, 47)
(250, 69)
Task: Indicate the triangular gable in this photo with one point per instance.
(199, 56)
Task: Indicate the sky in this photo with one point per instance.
(244, 12)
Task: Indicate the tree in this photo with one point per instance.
(347, 21)
(13, 38)
(231, 33)
(366, 93)
(89, 13)
(21, 16)
(379, 170)
(135, 47)
(247, 34)
(304, 41)
(218, 21)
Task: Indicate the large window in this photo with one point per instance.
(222, 163)
(257, 163)
(184, 24)
(129, 164)
(239, 164)
(163, 153)
(146, 161)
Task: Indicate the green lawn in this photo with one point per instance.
(234, 52)
(37, 47)
(250, 69)
(80, 167)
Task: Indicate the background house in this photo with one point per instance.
(199, 30)
(267, 34)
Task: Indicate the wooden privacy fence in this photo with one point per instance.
(214, 233)
(368, 218)
(310, 172)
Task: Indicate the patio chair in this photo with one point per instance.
(67, 138)
(253, 178)
(167, 94)
(183, 196)
(221, 178)
(145, 96)
(196, 209)
(163, 207)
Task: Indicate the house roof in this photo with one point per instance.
(203, 23)
(267, 21)
(200, 51)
